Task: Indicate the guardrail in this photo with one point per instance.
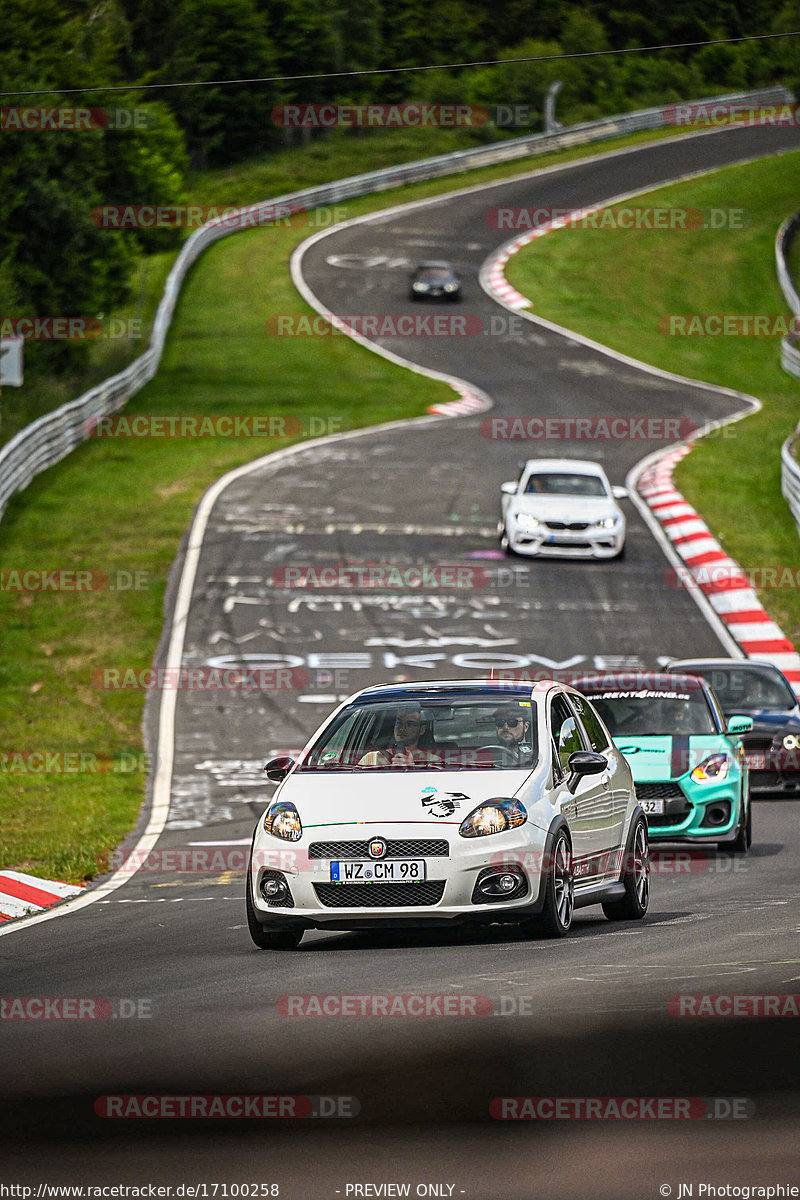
(52, 437)
(790, 354)
(790, 360)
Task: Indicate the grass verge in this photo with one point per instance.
(613, 285)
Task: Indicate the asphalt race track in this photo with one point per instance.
(586, 1017)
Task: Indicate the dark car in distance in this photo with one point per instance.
(763, 692)
(434, 281)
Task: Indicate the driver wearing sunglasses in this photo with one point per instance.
(512, 737)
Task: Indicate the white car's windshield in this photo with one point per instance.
(552, 483)
(415, 733)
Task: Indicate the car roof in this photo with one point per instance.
(440, 688)
(682, 664)
(634, 681)
(581, 466)
(435, 262)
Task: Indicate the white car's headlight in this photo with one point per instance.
(607, 522)
(527, 521)
(493, 816)
(712, 769)
(420, 287)
(451, 287)
(282, 820)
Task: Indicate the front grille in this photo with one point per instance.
(758, 742)
(396, 848)
(573, 526)
(380, 895)
(677, 806)
(659, 791)
(666, 820)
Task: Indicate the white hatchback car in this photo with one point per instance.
(564, 507)
(445, 803)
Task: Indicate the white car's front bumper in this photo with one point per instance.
(447, 896)
(587, 543)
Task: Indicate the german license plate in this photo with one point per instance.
(652, 806)
(395, 870)
(755, 760)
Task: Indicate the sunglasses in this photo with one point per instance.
(509, 721)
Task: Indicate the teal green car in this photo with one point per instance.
(688, 762)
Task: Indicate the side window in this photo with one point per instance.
(598, 739)
(566, 731)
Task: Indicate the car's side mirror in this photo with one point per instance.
(620, 493)
(584, 762)
(509, 488)
(740, 724)
(278, 768)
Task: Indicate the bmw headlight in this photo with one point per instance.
(420, 287)
(526, 521)
(607, 522)
(791, 741)
(493, 816)
(282, 820)
(451, 287)
(712, 769)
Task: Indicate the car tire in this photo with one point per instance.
(269, 939)
(635, 878)
(555, 919)
(744, 835)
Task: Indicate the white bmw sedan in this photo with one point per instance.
(444, 803)
(564, 507)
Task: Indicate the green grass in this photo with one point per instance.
(614, 285)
